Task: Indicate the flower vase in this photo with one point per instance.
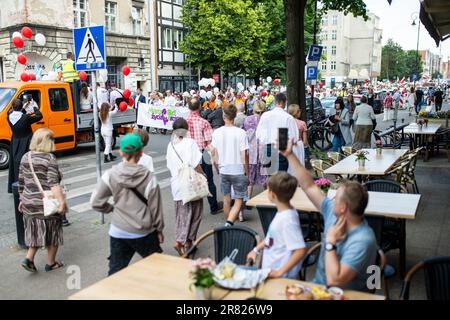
(379, 151)
(203, 293)
(361, 163)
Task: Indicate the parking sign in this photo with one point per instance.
(314, 52)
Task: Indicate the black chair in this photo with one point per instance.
(226, 239)
(442, 140)
(266, 215)
(437, 278)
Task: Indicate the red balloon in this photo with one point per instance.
(264, 93)
(25, 77)
(18, 42)
(82, 75)
(126, 70)
(276, 81)
(131, 102)
(21, 59)
(27, 32)
(126, 94)
(123, 106)
(32, 76)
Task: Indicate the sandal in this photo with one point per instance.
(54, 266)
(28, 265)
(179, 248)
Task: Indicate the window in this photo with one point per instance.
(58, 99)
(333, 50)
(179, 2)
(324, 21)
(333, 65)
(79, 13)
(335, 20)
(324, 65)
(110, 15)
(35, 96)
(177, 38)
(324, 36)
(324, 50)
(166, 38)
(6, 95)
(334, 35)
(136, 13)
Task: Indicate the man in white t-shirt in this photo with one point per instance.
(229, 149)
(170, 100)
(284, 246)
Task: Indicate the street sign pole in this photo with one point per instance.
(314, 42)
(98, 163)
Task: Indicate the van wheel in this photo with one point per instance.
(102, 143)
(4, 156)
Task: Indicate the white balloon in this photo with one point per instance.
(202, 94)
(269, 79)
(40, 39)
(246, 92)
(17, 34)
(186, 94)
(216, 90)
(192, 92)
(209, 95)
(212, 82)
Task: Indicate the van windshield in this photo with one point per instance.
(5, 97)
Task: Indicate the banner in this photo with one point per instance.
(158, 116)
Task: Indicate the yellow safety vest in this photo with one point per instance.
(69, 73)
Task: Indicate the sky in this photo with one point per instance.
(395, 20)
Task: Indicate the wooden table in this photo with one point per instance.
(274, 289)
(164, 277)
(377, 165)
(420, 136)
(157, 277)
(402, 206)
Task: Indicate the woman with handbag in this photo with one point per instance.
(184, 151)
(341, 126)
(42, 200)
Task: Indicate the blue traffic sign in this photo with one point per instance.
(311, 73)
(314, 52)
(414, 77)
(89, 43)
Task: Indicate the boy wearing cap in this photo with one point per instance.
(137, 217)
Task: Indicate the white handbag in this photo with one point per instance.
(51, 204)
(193, 185)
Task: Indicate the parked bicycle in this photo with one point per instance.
(319, 135)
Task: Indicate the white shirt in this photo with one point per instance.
(86, 102)
(107, 126)
(170, 101)
(102, 96)
(189, 152)
(147, 162)
(267, 130)
(283, 238)
(229, 142)
(115, 94)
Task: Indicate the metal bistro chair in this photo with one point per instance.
(226, 239)
(313, 254)
(334, 157)
(318, 167)
(437, 278)
(442, 140)
(347, 150)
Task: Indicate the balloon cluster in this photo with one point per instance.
(204, 82)
(19, 43)
(123, 106)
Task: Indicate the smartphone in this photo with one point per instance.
(282, 138)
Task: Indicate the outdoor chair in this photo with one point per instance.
(400, 172)
(348, 150)
(313, 254)
(442, 140)
(334, 157)
(437, 278)
(319, 168)
(226, 239)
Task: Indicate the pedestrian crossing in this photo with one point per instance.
(80, 178)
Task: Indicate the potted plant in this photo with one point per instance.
(324, 184)
(420, 123)
(361, 158)
(379, 146)
(202, 276)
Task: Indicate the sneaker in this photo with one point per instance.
(65, 223)
(219, 208)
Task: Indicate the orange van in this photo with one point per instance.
(54, 99)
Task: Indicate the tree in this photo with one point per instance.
(295, 49)
(397, 63)
(231, 35)
(413, 64)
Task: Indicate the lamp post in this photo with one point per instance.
(415, 16)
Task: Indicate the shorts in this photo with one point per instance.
(239, 183)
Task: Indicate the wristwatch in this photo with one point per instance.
(329, 246)
(255, 250)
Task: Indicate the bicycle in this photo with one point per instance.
(319, 135)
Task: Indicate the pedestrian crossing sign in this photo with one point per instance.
(89, 43)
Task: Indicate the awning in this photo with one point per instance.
(435, 16)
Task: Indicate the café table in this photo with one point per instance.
(165, 277)
(157, 277)
(402, 206)
(274, 289)
(376, 165)
(420, 136)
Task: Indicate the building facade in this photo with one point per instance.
(128, 35)
(431, 63)
(352, 48)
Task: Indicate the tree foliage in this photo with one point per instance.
(229, 34)
(397, 63)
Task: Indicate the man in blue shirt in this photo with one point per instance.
(350, 245)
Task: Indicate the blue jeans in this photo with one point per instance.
(418, 106)
(338, 142)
